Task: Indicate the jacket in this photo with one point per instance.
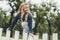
(18, 16)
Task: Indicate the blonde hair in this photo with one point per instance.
(21, 5)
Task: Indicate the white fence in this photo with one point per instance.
(16, 37)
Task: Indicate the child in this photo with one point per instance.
(25, 17)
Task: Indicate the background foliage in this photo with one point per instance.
(47, 18)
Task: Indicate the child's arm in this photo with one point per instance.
(30, 22)
(13, 22)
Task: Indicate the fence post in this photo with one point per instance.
(30, 37)
(16, 35)
(25, 36)
(55, 36)
(1, 33)
(8, 35)
(36, 37)
(45, 36)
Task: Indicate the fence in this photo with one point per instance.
(16, 36)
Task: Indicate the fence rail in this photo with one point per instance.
(16, 37)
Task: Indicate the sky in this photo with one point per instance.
(4, 4)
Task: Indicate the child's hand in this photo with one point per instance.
(8, 28)
(22, 11)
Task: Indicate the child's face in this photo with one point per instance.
(26, 8)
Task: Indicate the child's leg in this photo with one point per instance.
(25, 33)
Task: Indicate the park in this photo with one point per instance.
(45, 13)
